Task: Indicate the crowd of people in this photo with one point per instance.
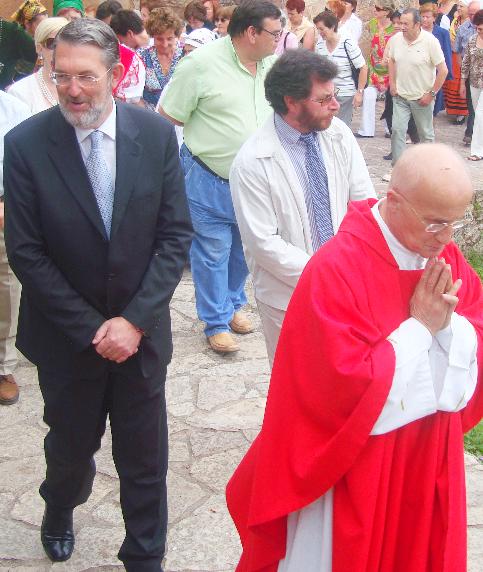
(134, 140)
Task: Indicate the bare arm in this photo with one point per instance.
(309, 40)
(392, 77)
(169, 118)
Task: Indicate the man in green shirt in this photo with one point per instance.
(217, 93)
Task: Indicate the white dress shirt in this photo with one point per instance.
(431, 374)
(108, 128)
(12, 112)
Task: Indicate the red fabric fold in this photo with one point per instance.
(332, 374)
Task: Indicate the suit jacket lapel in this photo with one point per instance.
(128, 162)
(66, 156)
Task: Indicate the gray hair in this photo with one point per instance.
(89, 31)
(416, 14)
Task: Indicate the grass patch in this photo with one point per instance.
(476, 260)
(474, 439)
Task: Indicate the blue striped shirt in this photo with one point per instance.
(296, 149)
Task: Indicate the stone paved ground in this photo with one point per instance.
(215, 407)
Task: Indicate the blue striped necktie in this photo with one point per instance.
(101, 179)
(319, 189)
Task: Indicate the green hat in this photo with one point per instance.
(62, 4)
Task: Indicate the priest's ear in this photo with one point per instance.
(393, 198)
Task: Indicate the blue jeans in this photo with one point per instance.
(217, 260)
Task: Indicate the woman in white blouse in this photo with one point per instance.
(343, 51)
(37, 90)
(350, 24)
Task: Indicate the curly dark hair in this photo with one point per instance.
(293, 73)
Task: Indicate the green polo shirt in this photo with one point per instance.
(219, 101)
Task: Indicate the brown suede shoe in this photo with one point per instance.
(223, 343)
(241, 324)
(8, 390)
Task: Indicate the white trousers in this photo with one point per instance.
(477, 138)
(368, 121)
(272, 320)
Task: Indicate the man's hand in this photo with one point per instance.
(425, 100)
(2, 214)
(393, 91)
(434, 298)
(117, 340)
(357, 100)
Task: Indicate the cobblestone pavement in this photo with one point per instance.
(215, 407)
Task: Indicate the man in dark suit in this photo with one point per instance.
(98, 231)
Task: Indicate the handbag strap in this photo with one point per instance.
(353, 67)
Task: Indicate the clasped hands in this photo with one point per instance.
(117, 339)
(434, 298)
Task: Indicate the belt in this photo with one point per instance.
(205, 167)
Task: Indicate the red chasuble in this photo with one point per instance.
(399, 498)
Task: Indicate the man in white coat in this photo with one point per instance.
(292, 180)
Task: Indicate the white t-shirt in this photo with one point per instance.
(344, 80)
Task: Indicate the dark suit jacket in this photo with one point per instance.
(73, 278)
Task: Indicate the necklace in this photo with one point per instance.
(45, 89)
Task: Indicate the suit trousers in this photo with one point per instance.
(76, 407)
(9, 301)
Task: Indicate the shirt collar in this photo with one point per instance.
(107, 128)
(406, 259)
(286, 131)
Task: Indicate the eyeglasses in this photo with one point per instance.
(276, 34)
(86, 81)
(438, 226)
(48, 43)
(327, 98)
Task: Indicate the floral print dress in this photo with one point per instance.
(156, 80)
(378, 73)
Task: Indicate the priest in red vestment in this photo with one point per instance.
(359, 464)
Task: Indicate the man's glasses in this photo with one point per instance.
(87, 81)
(327, 98)
(48, 43)
(276, 34)
(438, 226)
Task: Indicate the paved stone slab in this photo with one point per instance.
(215, 409)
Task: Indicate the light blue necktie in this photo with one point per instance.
(319, 190)
(101, 179)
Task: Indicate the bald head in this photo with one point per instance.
(429, 186)
(432, 174)
(473, 8)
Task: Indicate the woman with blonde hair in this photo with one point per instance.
(37, 90)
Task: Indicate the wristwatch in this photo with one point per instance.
(361, 91)
(432, 93)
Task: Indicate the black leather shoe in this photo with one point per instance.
(387, 157)
(56, 534)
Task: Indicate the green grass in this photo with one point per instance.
(474, 439)
(476, 260)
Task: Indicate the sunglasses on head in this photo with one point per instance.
(49, 43)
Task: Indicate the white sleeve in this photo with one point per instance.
(431, 374)
(453, 363)
(412, 393)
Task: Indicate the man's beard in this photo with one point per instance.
(88, 119)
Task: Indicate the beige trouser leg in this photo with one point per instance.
(9, 301)
(272, 319)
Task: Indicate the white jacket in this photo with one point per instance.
(270, 206)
